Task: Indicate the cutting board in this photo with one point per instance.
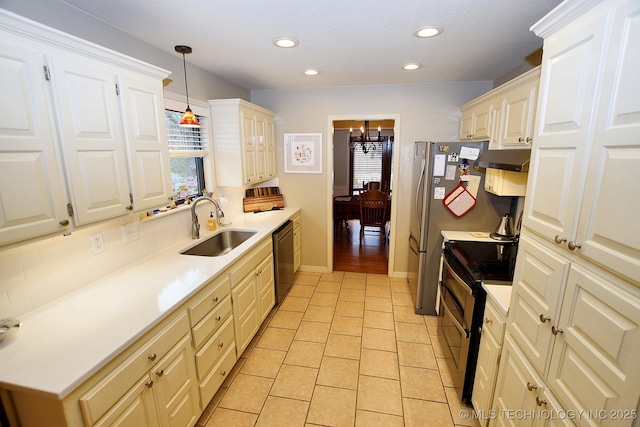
(263, 203)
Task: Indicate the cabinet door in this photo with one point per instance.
(270, 137)
(518, 109)
(538, 282)
(482, 122)
(266, 287)
(608, 228)
(146, 141)
(516, 388)
(595, 365)
(245, 311)
(249, 148)
(466, 125)
(32, 194)
(91, 131)
(136, 408)
(496, 126)
(175, 386)
(261, 147)
(563, 122)
(296, 243)
(486, 373)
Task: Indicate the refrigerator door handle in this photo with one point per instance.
(413, 244)
(418, 198)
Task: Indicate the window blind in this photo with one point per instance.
(183, 141)
(366, 167)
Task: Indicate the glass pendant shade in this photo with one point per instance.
(188, 118)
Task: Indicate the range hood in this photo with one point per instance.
(511, 160)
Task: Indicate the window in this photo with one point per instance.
(372, 166)
(187, 149)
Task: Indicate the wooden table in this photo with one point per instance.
(346, 208)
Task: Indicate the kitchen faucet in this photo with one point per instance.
(195, 225)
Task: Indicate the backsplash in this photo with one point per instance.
(37, 273)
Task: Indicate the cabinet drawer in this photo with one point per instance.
(212, 297)
(214, 348)
(251, 261)
(115, 385)
(296, 221)
(493, 322)
(218, 374)
(211, 322)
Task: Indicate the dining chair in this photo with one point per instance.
(373, 211)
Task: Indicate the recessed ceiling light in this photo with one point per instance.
(285, 42)
(311, 72)
(411, 66)
(430, 31)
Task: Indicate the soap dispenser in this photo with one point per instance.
(212, 221)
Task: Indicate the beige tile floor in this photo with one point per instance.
(343, 349)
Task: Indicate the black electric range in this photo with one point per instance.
(477, 262)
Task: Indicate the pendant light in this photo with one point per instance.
(188, 118)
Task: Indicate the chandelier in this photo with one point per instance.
(365, 141)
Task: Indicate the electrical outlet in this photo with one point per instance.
(97, 244)
(129, 232)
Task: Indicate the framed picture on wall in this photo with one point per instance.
(303, 153)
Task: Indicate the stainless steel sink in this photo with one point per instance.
(219, 244)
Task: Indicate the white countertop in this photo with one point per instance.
(62, 344)
(500, 295)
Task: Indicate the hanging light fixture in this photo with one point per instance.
(188, 118)
(364, 140)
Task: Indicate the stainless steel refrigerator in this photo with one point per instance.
(436, 171)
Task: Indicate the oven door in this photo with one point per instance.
(456, 313)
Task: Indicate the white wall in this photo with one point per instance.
(425, 111)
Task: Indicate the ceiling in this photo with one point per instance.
(350, 42)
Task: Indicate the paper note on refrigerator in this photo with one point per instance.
(451, 172)
(473, 183)
(439, 163)
(438, 193)
(469, 153)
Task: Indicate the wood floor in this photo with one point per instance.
(350, 255)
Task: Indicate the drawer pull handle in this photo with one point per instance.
(556, 331)
(488, 321)
(152, 357)
(221, 344)
(218, 318)
(573, 246)
(544, 318)
(540, 402)
(559, 239)
(149, 384)
(215, 299)
(531, 387)
(160, 372)
(223, 373)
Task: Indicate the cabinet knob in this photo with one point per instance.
(573, 245)
(556, 331)
(521, 139)
(215, 299)
(218, 318)
(544, 318)
(129, 208)
(64, 222)
(152, 357)
(560, 239)
(149, 384)
(160, 372)
(531, 387)
(528, 140)
(221, 344)
(223, 373)
(540, 402)
(488, 321)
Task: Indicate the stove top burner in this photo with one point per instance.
(484, 261)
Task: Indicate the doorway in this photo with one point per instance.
(356, 167)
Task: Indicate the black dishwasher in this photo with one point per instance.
(283, 260)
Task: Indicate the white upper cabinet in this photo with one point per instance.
(91, 136)
(504, 116)
(145, 134)
(32, 194)
(243, 142)
(82, 132)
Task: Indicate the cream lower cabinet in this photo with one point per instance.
(296, 241)
(243, 142)
(488, 359)
(213, 336)
(157, 384)
(252, 292)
